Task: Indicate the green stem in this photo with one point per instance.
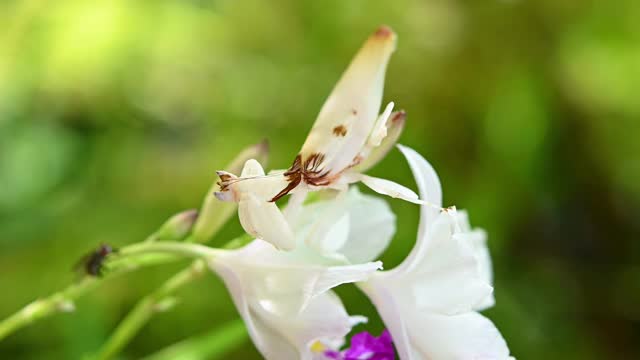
(212, 217)
(172, 248)
(40, 308)
(158, 300)
(211, 345)
(129, 258)
(147, 306)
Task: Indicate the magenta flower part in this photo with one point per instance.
(365, 346)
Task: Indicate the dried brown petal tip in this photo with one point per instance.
(398, 116)
(177, 226)
(263, 146)
(190, 215)
(383, 32)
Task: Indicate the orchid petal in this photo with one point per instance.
(446, 280)
(465, 336)
(477, 238)
(324, 225)
(390, 310)
(333, 238)
(437, 287)
(285, 335)
(456, 284)
(422, 335)
(288, 280)
(355, 225)
(428, 184)
(372, 226)
(431, 192)
(349, 114)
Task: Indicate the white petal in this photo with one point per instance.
(372, 226)
(390, 188)
(352, 106)
(462, 218)
(431, 192)
(445, 277)
(289, 280)
(332, 240)
(479, 243)
(421, 335)
(324, 225)
(389, 309)
(324, 317)
(264, 220)
(357, 226)
(464, 336)
(284, 300)
(426, 302)
(284, 335)
(428, 185)
(477, 238)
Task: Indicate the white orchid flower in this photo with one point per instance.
(429, 302)
(347, 138)
(285, 297)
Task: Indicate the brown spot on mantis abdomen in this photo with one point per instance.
(340, 130)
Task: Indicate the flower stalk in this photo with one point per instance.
(212, 216)
(149, 252)
(152, 303)
(127, 259)
(170, 248)
(63, 300)
(157, 301)
(210, 345)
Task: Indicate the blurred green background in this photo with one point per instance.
(115, 114)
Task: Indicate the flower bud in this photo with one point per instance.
(178, 226)
(259, 152)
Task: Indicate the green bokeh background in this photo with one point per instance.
(115, 114)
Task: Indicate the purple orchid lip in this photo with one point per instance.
(365, 346)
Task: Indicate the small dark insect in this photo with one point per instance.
(92, 263)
